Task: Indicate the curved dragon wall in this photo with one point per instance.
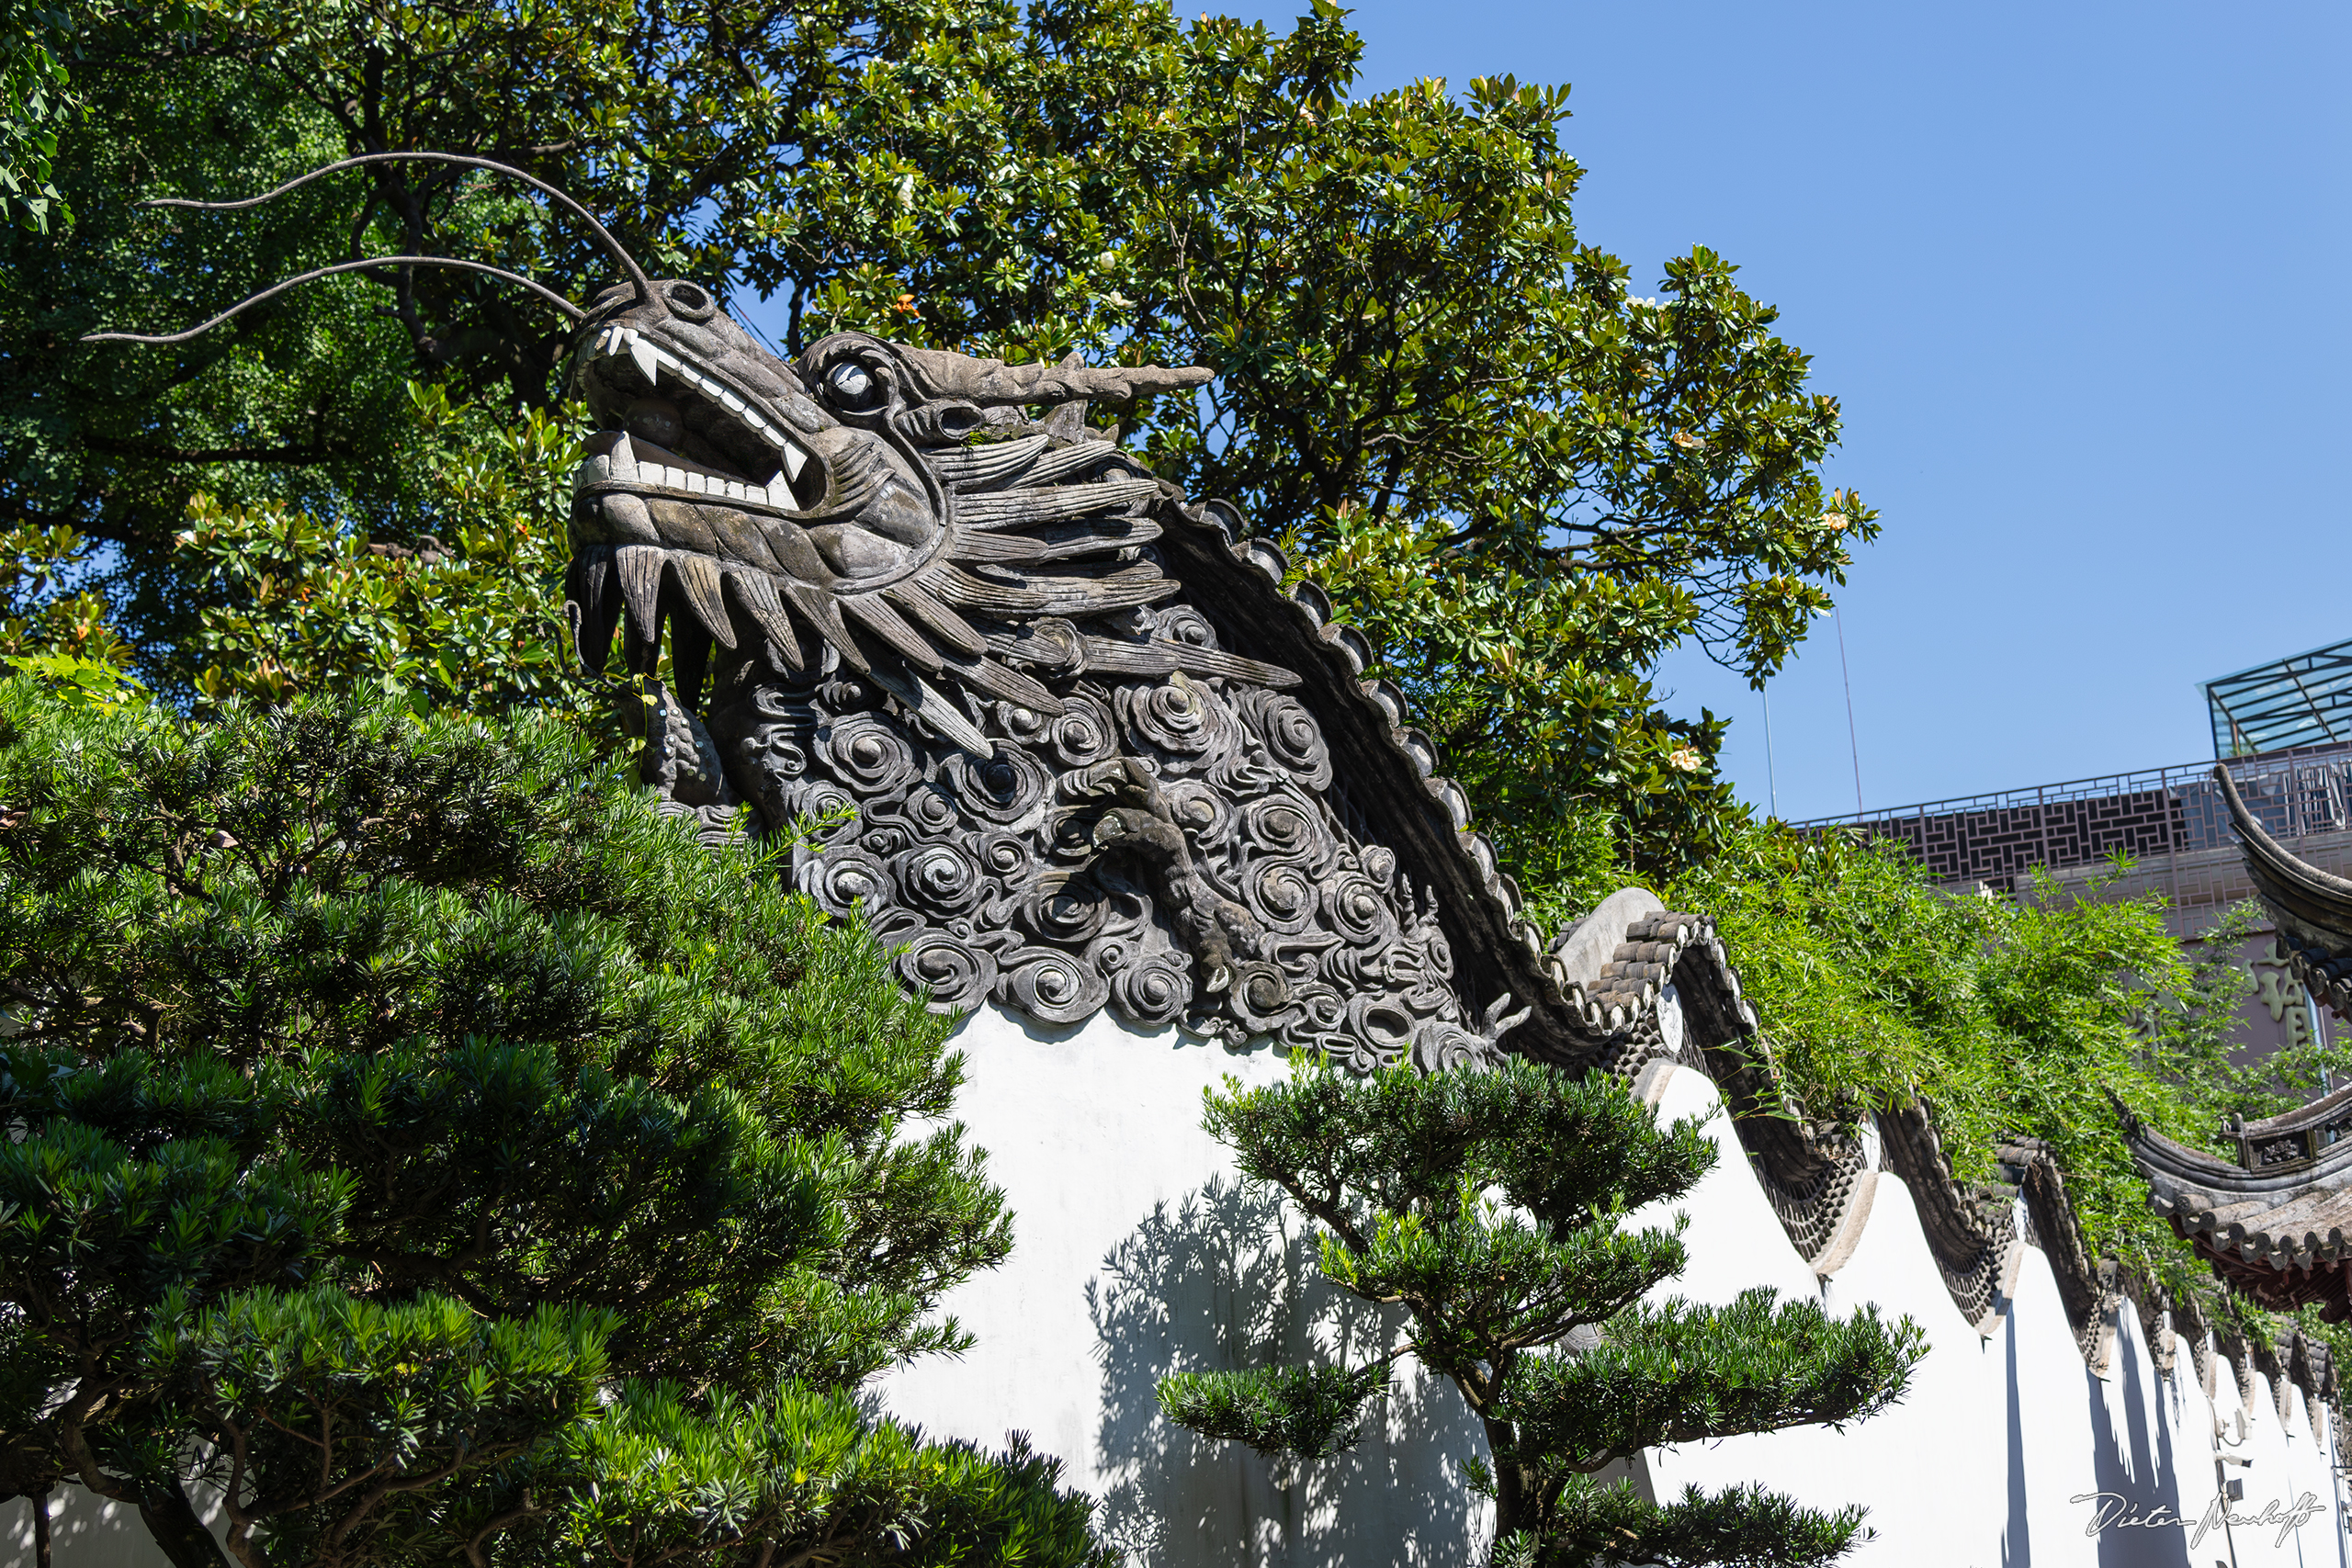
(1104, 772)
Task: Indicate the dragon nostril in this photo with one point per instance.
(689, 300)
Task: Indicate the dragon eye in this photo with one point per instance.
(851, 385)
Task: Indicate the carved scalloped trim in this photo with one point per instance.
(1976, 1246)
(2089, 1290)
(2153, 1308)
(1350, 654)
(1627, 991)
(2303, 1361)
(2234, 1348)
(2188, 1324)
(1820, 1186)
(2311, 1368)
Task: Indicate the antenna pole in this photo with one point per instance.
(1853, 738)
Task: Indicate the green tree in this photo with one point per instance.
(412, 1134)
(1491, 1207)
(1527, 481)
(465, 614)
(36, 98)
(2008, 1017)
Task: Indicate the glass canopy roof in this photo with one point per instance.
(2305, 700)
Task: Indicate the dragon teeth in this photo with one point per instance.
(698, 574)
(648, 358)
(618, 461)
(640, 571)
(652, 360)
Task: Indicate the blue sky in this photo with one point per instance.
(2076, 273)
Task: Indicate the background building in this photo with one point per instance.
(2286, 730)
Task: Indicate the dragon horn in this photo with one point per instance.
(945, 374)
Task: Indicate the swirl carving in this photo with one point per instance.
(846, 878)
(939, 876)
(1002, 788)
(1161, 847)
(1155, 990)
(1282, 894)
(1181, 622)
(1083, 735)
(1291, 736)
(1180, 721)
(869, 752)
(1054, 987)
(957, 974)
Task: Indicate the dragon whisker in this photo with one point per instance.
(544, 293)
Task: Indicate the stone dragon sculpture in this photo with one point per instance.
(899, 607)
(916, 615)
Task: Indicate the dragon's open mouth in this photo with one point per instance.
(748, 505)
(676, 428)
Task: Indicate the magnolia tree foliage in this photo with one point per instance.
(36, 98)
(1528, 479)
(415, 1137)
(1492, 1208)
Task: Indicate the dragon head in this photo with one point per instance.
(833, 495)
(708, 442)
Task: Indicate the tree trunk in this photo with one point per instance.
(1512, 1501)
(40, 1500)
(172, 1519)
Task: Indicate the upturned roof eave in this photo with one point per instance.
(2317, 899)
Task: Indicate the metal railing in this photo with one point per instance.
(2160, 811)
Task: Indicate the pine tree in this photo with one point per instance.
(1491, 1207)
(414, 1138)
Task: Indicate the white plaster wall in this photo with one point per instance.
(86, 1531)
(1136, 1254)
(1980, 1465)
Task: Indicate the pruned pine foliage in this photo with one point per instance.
(1305, 1412)
(409, 1131)
(1492, 1207)
(1744, 1525)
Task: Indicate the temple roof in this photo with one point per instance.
(2313, 908)
(2273, 1221)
